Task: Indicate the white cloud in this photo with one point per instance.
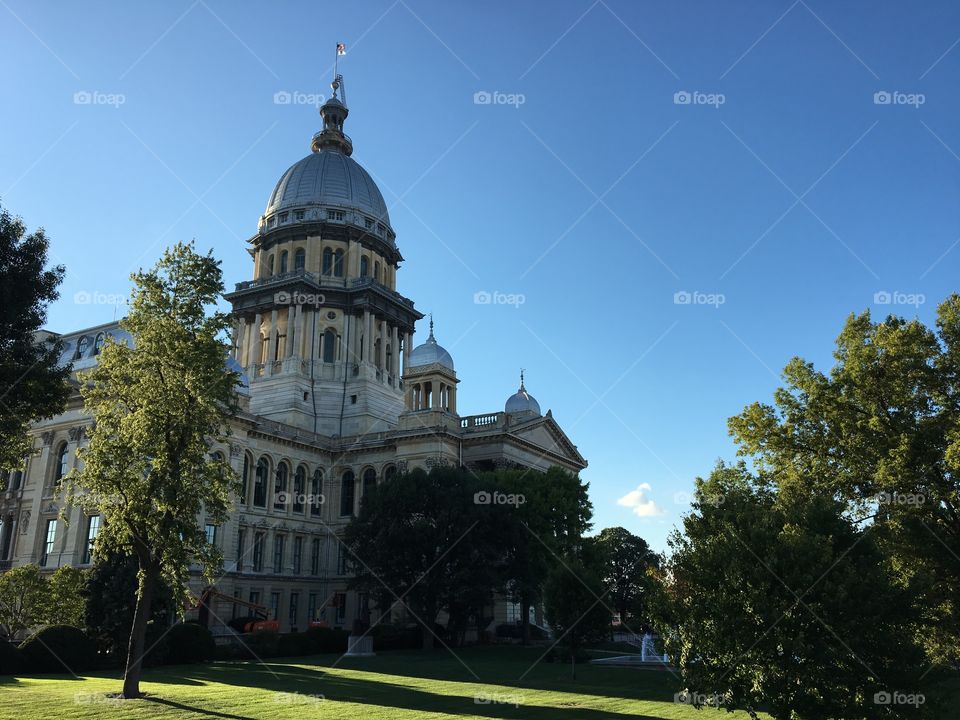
(638, 501)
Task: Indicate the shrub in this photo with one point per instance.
(395, 637)
(58, 649)
(264, 644)
(327, 640)
(189, 643)
(10, 661)
(296, 644)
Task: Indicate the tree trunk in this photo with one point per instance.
(525, 619)
(138, 633)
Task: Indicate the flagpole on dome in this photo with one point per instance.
(341, 50)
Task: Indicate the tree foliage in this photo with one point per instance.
(34, 383)
(24, 598)
(157, 405)
(625, 561)
(576, 602)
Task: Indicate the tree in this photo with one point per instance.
(157, 405)
(34, 383)
(24, 598)
(626, 559)
(881, 431)
(66, 592)
(775, 601)
(575, 604)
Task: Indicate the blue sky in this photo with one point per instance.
(737, 152)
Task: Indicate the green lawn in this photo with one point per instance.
(391, 686)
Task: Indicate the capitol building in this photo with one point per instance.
(336, 396)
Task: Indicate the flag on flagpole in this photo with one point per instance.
(341, 49)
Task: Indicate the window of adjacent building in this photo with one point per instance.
(316, 492)
(299, 259)
(255, 597)
(244, 480)
(312, 607)
(338, 263)
(260, 486)
(278, 542)
(258, 541)
(346, 493)
(280, 488)
(364, 266)
(390, 473)
(342, 558)
(283, 261)
(329, 345)
(369, 480)
(93, 529)
(297, 555)
(274, 606)
(298, 215)
(299, 489)
(335, 214)
(50, 536)
(282, 219)
(241, 547)
(62, 463)
(327, 267)
(340, 601)
(211, 531)
(292, 614)
(315, 556)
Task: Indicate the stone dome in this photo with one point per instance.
(430, 352)
(522, 402)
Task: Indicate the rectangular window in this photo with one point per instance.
(292, 614)
(298, 214)
(315, 556)
(255, 597)
(48, 543)
(274, 606)
(278, 554)
(340, 601)
(211, 531)
(342, 559)
(297, 555)
(93, 529)
(241, 548)
(258, 541)
(312, 608)
(237, 594)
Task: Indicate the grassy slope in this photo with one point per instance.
(392, 686)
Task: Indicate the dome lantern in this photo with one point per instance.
(522, 402)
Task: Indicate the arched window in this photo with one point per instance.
(364, 266)
(329, 345)
(346, 493)
(327, 267)
(299, 489)
(338, 263)
(283, 262)
(270, 266)
(299, 259)
(245, 479)
(280, 488)
(389, 358)
(83, 344)
(369, 480)
(260, 485)
(316, 493)
(62, 467)
(98, 343)
(390, 473)
(376, 271)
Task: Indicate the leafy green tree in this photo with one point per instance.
(157, 405)
(24, 600)
(66, 591)
(881, 431)
(775, 601)
(626, 559)
(34, 384)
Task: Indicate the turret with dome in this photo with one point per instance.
(522, 402)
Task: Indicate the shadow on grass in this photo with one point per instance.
(190, 708)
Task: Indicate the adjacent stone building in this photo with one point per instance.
(334, 399)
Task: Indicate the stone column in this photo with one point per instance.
(240, 348)
(394, 350)
(382, 360)
(291, 329)
(272, 347)
(406, 351)
(253, 345)
(368, 336)
(301, 330)
(315, 334)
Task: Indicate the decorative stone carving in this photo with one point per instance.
(235, 450)
(401, 466)
(24, 522)
(76, 433)
(47, 438)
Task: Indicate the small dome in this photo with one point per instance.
(430, 352)
(522, 401)
(243, 382)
